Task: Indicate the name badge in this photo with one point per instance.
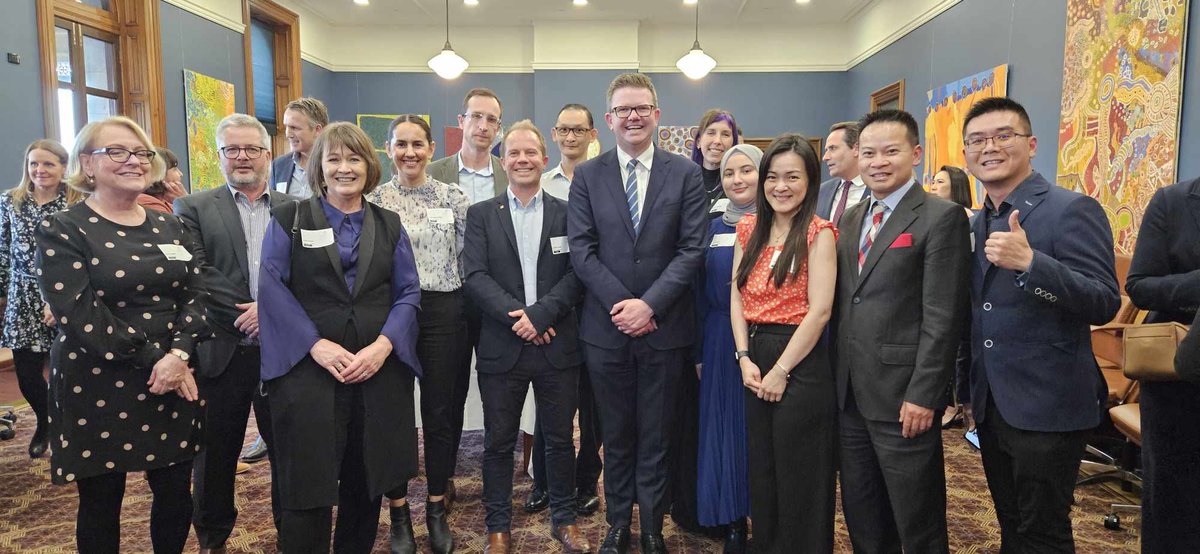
(719, 206)
(440, 215)
(316, 238)
(281, 186)
(972, 241)
(558, 245)
(175, 253)
(724, 239)
(775, 257)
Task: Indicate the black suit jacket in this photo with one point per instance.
(494, 281)
(1164, 275)
(899, 322)
(218, 242)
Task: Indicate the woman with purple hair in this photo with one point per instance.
(716, 133)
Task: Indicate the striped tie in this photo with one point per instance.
(876, 222)
(631, 196)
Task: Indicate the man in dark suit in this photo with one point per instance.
(518, 271)
(846, 188)
(903, 260)
(1042, 271)
(226, 225)
(636, 225)
(303, 120)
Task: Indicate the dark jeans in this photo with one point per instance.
(1171, 461)
(98, 525)
(440, 347)
(31, 379)
(587, 463)
(555, 391)
(228, 397)
(1031, 475)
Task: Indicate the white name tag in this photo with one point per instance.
(281, 186)
(719, 206)
(175, 253)
(439, 215)
(316, 238)
(724, 239)
(775, 257)
(558, 245)
(972, 241)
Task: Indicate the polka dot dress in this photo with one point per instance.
(121, 304)
(761, 301)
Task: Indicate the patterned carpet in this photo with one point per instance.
(38, 517)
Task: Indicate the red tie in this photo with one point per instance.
(841, 207)
(876, 223)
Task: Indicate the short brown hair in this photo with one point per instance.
(312, 108)
(850, 129)
(349, 136)
(481, 91)
(526, 125)
(632, 80)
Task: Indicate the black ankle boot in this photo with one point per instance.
(440, 539)
(402, 531)
(735, 541)
(40, 442)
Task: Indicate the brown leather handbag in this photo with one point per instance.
(1150, 350)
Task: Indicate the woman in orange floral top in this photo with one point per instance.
(784, 272)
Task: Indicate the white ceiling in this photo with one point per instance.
(525, 12)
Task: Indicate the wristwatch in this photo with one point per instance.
(737, 356)
(182, 354)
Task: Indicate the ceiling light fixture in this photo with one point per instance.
(362, 2)
(447, 64)
(580, 2)
(803, 1)
(470, 2)
(689, 2)
(696, 64)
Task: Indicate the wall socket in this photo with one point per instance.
(14, 58)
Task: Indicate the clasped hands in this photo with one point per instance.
(171, 373)
(634, 317)
(769, 388)
(350, 368)
(527, 332)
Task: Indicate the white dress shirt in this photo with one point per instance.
(858, 191)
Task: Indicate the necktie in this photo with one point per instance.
(841, 207)
(631, 196)
(876, 222)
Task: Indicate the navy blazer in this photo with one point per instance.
(1164, 275)
(281, 172)
(825, 198)
(656, 265)
(1031, 349)
(495, 283)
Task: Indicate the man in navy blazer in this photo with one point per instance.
(303, 119)
(1043, 272)
(518, 272)
(846, 188)
(636, 225)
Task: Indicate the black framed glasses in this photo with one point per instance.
(564, 131)
(252, 152)
(624, 111)
(1001, 140)
(482, 117)
(121, 155)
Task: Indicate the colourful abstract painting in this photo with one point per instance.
(1118, 136)
(677, 139)
(944, 114)
(206, 102)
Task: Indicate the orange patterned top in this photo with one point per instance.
(761, 301)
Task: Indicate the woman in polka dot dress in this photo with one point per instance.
(123, 289)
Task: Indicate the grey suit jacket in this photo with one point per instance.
(446, 171)
(218, 242)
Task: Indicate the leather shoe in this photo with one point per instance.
(538, 500)
(653, 543)
(217, 550)
(572, 539)
(440, 538)
(735, 541)
(497, 543)
(256, 452)
(40, 443)
(586, 502)
(401, 530)
(616, 541)
(240, 468)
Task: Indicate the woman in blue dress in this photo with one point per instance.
(722, 490)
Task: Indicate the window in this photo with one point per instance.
(272, 44)
(262, 48)
(87, 77)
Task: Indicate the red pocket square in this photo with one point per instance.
(902, 241)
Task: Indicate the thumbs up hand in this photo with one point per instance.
(1010, 250)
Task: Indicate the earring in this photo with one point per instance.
(91, 179)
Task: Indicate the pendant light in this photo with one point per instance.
(696, 64)
(448, 64)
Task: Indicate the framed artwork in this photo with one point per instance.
(890, 97)
(206, 102)
(947, 107)
(763, 142)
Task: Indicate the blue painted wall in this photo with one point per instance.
(21, 115)
(317, 81)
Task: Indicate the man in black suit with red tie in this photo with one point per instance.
(903, 269)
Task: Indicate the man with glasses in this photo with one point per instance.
(303, 120)
(1044, 272)
(573, 132)
(635, 226)
(226, 225)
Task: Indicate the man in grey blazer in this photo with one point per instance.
(226, 227)
(846, 188)
(902, 293)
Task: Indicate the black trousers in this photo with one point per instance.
(636, 387)
(1171, 462)
(1031, 475)
(31, 379)
(792, 450)
(440, 348)
(229, 397)
(587, 462)
(462, 376)
(893, 488)
(98, 524)
(555, 392)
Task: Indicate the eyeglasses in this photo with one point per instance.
(252, 152)
(564, 131)
(481, 117)
(1001, 140)
(121, 155)
(624, 111)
